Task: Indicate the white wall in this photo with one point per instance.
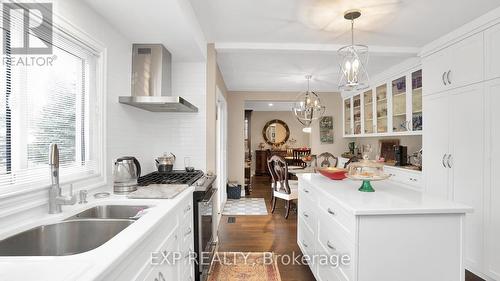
(260, 118)
(129, 131)
(146, 135)
(333, 103)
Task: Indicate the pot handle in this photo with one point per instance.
(138, 166)
(173, 155)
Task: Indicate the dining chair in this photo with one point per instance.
(282, 187)
(326, 159)
(298, 154)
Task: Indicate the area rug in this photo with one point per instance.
(245, 207)
(229, 266)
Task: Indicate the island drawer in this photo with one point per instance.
(306, 238)
(306, 190)
(333, 241)
(331, 210)
(307, 212)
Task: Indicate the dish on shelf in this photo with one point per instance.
(333, 173)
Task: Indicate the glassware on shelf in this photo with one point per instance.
(399, 121)
(416, 87)
(347, 117)
(368, 110)
(381, 96)
(357, 114)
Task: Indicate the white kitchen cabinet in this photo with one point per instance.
(454, 140)
(388, 108)
(410, 178)
(174, 235)
(492, 53)
(388, 235)
(456, 66)
(436, 144)
(492, 191)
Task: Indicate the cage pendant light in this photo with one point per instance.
(353, 61)
(308, 106)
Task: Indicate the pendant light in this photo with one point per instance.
(353, 61)
(307, 107)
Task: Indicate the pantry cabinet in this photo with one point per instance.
(389, 108)
(456, 66)
(452, 141)
(460, 143)
(492, 190)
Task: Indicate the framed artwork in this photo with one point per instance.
(326, 129)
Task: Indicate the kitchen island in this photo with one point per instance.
(392, 234)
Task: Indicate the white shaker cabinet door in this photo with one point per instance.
(492, 49)
(467, 65)
(435, 143)
(492, 194)
(435, 68)
(467, 138)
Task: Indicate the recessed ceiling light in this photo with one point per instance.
(271, 104)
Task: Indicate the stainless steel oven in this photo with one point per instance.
(204, 215)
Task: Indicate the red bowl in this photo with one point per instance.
(333, 173)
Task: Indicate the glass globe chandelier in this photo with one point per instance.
(307, 107)
(353, 61)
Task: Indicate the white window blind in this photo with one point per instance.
(46, 99)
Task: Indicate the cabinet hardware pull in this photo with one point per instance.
(331, 212)
(329, 245)
(448, 77)
(305, 214)
(306, 191)
(188, 232)
(442, 77)
(304, 243)
(448, 160)
(442, 161)
(187, 209)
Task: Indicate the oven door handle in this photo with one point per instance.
(207, 201)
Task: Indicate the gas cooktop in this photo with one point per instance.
(174, 177)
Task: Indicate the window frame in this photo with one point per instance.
(97, 120)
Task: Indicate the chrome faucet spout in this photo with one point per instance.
(56, 200)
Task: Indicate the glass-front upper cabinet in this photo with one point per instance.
(357, 114)
(368, 111)
(381, 96)
(416, 95)
(347, 117)
(399, 120)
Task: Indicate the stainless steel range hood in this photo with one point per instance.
(152, 81)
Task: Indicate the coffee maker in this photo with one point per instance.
(401, 155)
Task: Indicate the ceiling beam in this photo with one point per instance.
(241, 47)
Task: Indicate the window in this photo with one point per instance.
(47, 99)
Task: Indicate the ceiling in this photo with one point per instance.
(172, 23)
(268, 45)
(269, 105)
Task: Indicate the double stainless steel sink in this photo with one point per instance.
(83, 232)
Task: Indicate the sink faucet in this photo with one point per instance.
(56, 200)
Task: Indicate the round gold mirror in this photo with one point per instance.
(276, 132)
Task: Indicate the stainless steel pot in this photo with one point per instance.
(165, 163)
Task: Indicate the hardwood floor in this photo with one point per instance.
(271, 233)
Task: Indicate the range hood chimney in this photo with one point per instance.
(152, 81)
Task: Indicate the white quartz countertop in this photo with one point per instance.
(91, 265)
(388, 198)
